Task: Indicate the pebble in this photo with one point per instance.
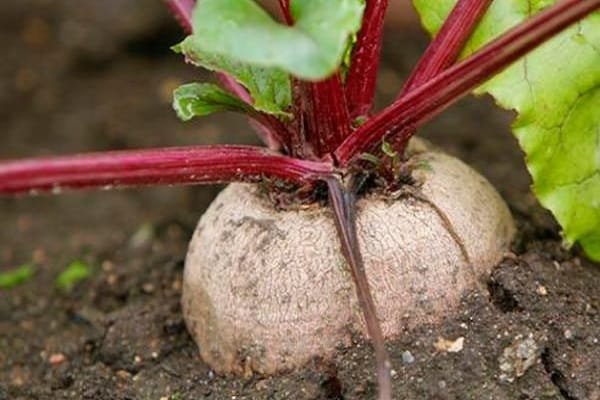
(517, 358)
(107, 266)
(450, 346)
(18, 377)
(407, 357)
(542, 291)
(568, 334)
(111, 279)
(148, 288)
(56, 358)
(142, 237)
(123, 374)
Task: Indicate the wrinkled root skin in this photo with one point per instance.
(266, 291)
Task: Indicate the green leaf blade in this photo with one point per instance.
(16, 277)
(74, 273)
(556, 92)
(200, 99)
(240, 30)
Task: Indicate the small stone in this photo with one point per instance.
(556, 265)
(449, 346)
(568, 334)
(518, 358)
(39, 256)
(142, 237)
(107, 266)
(123, 374)
(176, 285)
(407, 357)
(56, 358)
(18, 377)
(589, 309)
(542, 291)
(148, 287)
(112, 279)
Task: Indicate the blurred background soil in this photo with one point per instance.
(93, 75)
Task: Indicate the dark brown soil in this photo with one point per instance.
(94, 75)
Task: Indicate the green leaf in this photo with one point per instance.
(74, 273)
(556, 92)
(16, 277)
(199, 99)
(239, 38)
(240, 31)
(270, 88)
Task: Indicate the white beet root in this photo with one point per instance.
(267, 290)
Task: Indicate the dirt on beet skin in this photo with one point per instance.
(89, 75)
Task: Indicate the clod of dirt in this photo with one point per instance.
(267, 290)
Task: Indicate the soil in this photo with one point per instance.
(89, 75)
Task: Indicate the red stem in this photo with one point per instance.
(445, 48)
(231, 85)
(298, 144)
(285, 9)
(175, 165)
(182, 10)
(430, 99)
(362, 76)
(326, 113)
(273, 132)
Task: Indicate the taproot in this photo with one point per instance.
(267, 290)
